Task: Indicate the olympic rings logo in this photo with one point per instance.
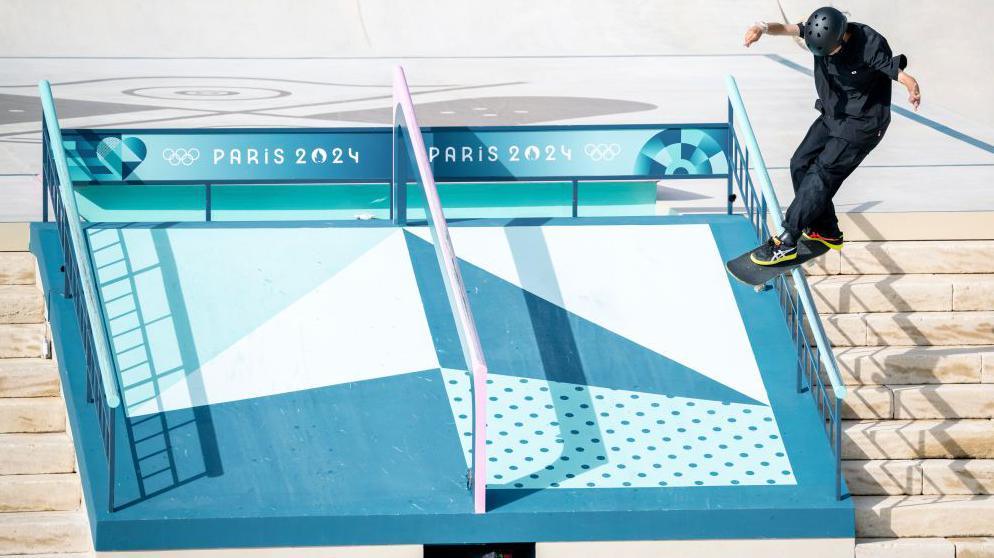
(180, 156)
(602, 151)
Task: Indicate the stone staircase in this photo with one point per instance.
(40, 494)
(913, 328)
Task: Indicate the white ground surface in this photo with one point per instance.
(512, 62)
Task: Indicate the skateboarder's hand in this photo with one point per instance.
(752, 35)
(914, 93)
(915, 96)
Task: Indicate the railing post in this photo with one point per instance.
(575, 211)
(731, 156)
(66, 285)
(798, 329)
(763, 218)
(44, 171)
(398, 181)
(111, 461)
(207, 201)
(837, 428)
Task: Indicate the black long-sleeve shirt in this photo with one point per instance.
(853, 85)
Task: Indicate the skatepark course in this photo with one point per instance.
(912, 334)
(327, 384)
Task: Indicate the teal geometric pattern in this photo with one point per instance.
(683, 151)
(543, 434)
(121, 156)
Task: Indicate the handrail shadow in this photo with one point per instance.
(168, 448)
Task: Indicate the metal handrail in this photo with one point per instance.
(78, 242)
(469, 337)
(769, 196)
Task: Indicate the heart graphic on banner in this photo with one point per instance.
(121, 156)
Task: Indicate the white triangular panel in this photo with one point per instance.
(662, 287)
(342, 331)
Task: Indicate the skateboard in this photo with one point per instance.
(745, 271)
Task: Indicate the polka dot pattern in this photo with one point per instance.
(544, 434)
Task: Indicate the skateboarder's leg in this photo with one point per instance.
(775, 251)
(825, 227)
(806, 153)
(812, 205)
(812, 200)
(816, 181)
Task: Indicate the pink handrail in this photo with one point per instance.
(469, 338)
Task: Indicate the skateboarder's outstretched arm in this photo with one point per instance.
(757, 30)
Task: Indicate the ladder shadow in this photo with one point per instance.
(166, 448)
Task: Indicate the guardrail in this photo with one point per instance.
(101, 382)
(815, 359)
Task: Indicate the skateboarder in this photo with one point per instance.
(853, 66)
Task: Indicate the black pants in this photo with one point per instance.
(818, 167)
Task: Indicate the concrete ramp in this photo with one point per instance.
(302, 384)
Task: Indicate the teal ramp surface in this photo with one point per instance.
(302, 384)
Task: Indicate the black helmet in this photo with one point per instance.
(824, 29)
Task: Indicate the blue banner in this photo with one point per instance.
(365, 154)
(570, 152)
(181, 156)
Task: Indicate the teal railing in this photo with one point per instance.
(80, 285)
(815, 359)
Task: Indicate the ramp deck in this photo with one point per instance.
(301, 384)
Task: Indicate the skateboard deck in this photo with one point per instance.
(744, 270)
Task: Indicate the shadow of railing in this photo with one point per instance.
(168, 447)
(561, 362)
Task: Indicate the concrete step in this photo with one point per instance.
(17, 268)
(915, 365)
(25, 454)
(829, 264)
(59, 492)
(883, 293)
(910, 328)
(28, 377)
(974, 547)
(22, 340)
(43, 532)
(918, 439)
(919, 476)
(933, 547)
(958, 476)
(904, 293)
(21, 304)
(943, 401)
(862, 258)
(32, 414)
(868, 402)
(883, 476)
(946, 401)
(924, 516)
